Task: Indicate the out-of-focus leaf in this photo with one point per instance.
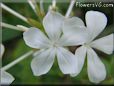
(8, 34)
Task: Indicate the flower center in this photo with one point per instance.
(55, 44)
(87, 45)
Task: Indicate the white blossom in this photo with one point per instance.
(95, 24)
(51, 45)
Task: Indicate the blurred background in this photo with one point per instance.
(15, 46)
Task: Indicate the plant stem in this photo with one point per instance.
(70, 8)
(53, 6)
(17, 60)
(13, 12)
(12, 27)
(42, 7)
(53, 3)
(22, 27)
(32, 5)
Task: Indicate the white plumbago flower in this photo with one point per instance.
(96, 22)
(51, 45)
(5, 77)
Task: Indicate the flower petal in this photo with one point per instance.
(6, 78)
(81, 54)
(67, 61)
(105, 44)
(53, 23)
(35, 38)
(96, 22)
(42, 62)
(96, 69)
(2, 50)
(74, 32)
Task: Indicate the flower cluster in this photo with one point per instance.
(60, 32)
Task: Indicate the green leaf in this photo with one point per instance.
(8, 34)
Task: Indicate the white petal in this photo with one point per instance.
(96, 69)
(74, 32)
(1, 50)
(6, 78)
(42, 62)
(67, 61)
(105, 44)
(81, 54)
(35, 38)
(53, 24)
(96, 22)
